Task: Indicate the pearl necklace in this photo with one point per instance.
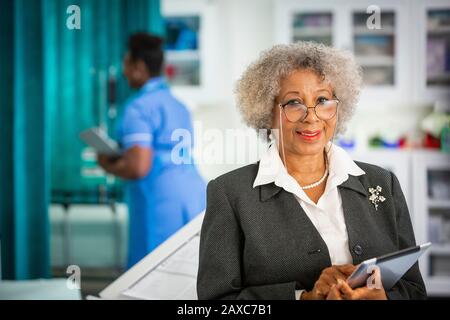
(315, 184)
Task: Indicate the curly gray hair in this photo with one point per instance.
(259, 85)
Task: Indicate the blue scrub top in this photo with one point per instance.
(172, 193)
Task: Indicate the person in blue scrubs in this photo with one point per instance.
(163, 193)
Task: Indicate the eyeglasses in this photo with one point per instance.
(324, 110)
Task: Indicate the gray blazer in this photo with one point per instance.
(258, 243)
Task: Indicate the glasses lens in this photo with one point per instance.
(326, 110)
(294, 112)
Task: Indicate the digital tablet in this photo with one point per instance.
(392, 266)
(99, 140)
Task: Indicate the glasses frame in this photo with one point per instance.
(282, 106)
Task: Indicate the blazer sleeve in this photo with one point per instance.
(221, 249)
(411, 285)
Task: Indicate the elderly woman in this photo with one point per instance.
(295, 224)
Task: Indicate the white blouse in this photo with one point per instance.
(327, 215)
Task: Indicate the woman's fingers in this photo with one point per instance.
(363, 293)
(347, 292)
(322, 290)
(334, 294)
(346, 269)
(323, 285)
(329, 278)
(335, 273)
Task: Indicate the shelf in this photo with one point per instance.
(364, 31)
(376, 60)
(440, 250)
(307, 32)
(182, 55)
(440, 77)
(439, 30)
(438, 204)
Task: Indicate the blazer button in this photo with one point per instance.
(357, 249)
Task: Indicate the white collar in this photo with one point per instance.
(271, 169)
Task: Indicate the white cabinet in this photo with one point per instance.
(191, 65)
(381, 51)
(406, 61)
(431, 51)
(431, 201)
(343, 24)
(425, 180)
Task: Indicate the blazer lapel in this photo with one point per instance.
(353, 183)
(308, 241)
(357, 217)
(356, 214)
(268, 191)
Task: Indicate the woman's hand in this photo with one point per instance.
(328, 278)
(342, 291)
(104, 161)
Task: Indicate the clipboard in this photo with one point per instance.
(99, 140)
(392, 266)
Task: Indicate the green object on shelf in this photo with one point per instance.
(445, 138)
(375, 142)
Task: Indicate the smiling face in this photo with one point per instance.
(306, 136)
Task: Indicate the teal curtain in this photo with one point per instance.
(53, 84)
(6, 133)
(24, 144)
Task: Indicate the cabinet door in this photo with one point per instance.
(379, 40)
(432, 56)
(431, 184)
(375, 48)
(313, 26)
(182, 62)
(191, 56)
(305, 21)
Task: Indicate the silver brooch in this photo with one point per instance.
(375, 196)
